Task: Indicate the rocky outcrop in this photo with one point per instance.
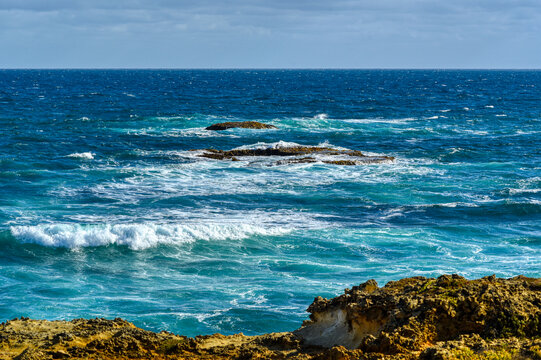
(414, 314)
(414, 318)
(25, 339)
(331, 155)
(240, 124)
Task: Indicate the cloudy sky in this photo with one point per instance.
(270, 33)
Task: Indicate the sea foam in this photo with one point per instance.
(84, 155)
(284, 145)
(136, 236)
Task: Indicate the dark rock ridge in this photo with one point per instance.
(356, 157)
(240, 124)
(414, 318)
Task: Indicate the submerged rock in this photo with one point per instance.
(240, 124)
(414, 318)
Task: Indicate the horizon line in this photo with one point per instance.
(268, 68)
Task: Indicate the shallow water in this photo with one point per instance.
(104, 211)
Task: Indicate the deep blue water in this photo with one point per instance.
(104, 211)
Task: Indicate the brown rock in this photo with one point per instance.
(411, 314)
(240, 124)
(294, 151)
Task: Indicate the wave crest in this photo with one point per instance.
(135, 236)
(84, 155)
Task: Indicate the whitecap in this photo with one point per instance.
(321, 117)
(84, 155)
(284, 145)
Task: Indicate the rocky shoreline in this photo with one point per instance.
(414, 318)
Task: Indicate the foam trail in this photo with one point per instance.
(135, 236)
(380, 120)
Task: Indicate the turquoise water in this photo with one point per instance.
(104, 211)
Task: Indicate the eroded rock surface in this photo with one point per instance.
(415, 313)
(414, 318)
(240, 124)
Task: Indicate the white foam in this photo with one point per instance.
(433, 117)
(474, 132)
(380, 120)
(321, 117)
(283, 145)
(490, 106)
(136, 236)
(177, 133)
(450, 204)
(524, 191)
(84, 155)
(263, 145)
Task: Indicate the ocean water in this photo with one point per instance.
(105, 211)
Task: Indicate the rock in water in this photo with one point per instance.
(240, 124)
(331, 155)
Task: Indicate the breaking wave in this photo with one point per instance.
(84, 155)
(136, 236)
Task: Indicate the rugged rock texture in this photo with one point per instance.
(331, 155)
(413, 314)
(414, 318)
(240, 124)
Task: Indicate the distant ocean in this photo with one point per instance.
(105, 211)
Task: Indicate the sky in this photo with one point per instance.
(270, 34)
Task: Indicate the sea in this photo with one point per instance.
(105, 210)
